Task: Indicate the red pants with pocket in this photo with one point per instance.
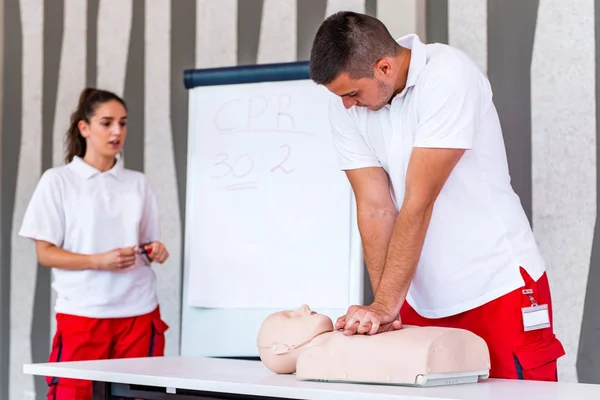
(80, 338)
(514, 353)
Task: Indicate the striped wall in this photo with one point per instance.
(139, 50)
(539, 56)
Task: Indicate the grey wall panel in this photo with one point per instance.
(249, 16)
(511, 28)
(9, 149)
(436, 17)
(134, 93)
(371, 7)
(183, 47)
(588, 352)
(92, 42)
(183, 55)
(4, 281)
(309, 14)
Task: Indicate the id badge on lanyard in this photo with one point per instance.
(536, 316)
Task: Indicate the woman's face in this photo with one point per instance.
(107, 129)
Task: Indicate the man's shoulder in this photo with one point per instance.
(440, 54)
(450, 64)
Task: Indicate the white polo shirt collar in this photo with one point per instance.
(86, 171)
(418, 59)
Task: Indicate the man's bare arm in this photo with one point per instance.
(427, 173)
(376, 217)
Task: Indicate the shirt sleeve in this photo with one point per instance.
(44, 217)
(150, 223)
(450, 107)
(352, 150)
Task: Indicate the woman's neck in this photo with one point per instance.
(101, 163)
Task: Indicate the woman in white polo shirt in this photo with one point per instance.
(96, 225)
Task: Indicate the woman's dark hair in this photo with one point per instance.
(89, 100)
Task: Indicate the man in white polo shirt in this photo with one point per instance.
(446, 241)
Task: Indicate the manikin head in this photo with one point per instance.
(284, 334)
(98, 126)
(355, 57)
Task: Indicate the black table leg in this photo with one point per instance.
(101, 391)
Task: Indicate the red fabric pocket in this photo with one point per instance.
(537, 360)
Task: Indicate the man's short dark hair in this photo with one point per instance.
(349, 42)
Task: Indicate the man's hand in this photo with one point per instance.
(368, 320)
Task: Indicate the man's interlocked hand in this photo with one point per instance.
(372, 319)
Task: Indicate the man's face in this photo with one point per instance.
(373, 93)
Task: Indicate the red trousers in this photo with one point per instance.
(80, 338)
(514, 353)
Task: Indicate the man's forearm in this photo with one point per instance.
(376, 231)
(402, 257)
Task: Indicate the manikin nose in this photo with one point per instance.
(304, 308)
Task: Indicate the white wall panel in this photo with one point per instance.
(159, 163)
(564, 159)
(467, 29)
(114, 32)
(277, 42)
(216, 33)
(23, 259)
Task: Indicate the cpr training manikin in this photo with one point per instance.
(304, 342)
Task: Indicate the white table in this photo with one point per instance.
(173, 378)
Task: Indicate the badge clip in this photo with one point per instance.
(535, 316)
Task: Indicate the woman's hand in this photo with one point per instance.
(156, 251)
(116, 259)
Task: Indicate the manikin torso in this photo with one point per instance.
(304, 342)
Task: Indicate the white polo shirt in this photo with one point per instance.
(478, 235)
(82, 210)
